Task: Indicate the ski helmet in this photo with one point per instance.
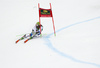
(38, 23)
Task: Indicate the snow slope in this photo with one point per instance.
(76, 44)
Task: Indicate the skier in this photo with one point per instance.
(35, 32)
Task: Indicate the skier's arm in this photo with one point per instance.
(41, 28)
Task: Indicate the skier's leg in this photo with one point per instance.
(24, 36)
(28, 39)
(20, 38)
(31, 37)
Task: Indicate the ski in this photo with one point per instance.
(20, 39)
(17, 41)
(26, 40)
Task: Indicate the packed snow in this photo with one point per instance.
(77, 40)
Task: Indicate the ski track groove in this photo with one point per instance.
(50, 45)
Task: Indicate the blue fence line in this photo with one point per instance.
(50, 45)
